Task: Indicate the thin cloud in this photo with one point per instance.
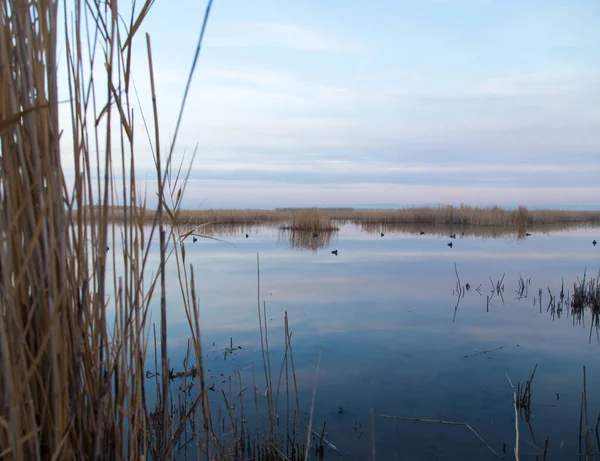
(280, 35)
(542, 82)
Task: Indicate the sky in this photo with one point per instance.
(383, 103)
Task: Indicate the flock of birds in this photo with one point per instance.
(450, 244)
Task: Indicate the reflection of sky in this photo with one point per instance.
(382, 314)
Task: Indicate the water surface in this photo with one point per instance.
(384, 314)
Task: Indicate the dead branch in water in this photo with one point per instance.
(438, 421)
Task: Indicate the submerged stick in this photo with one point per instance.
(457, 278)
(483, 352)
(439, 421)
(323, 439)
(373, 434)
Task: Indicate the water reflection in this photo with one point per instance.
(222, 230)
(314, 241)
(579, 301)
(399, 336)
(306, 240)
(456, 231)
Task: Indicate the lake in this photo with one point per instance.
(393, 334)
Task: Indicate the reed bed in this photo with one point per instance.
(208, 216)
(73, 339)
(463, 215)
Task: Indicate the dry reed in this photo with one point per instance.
(313, 220)
(74, 339)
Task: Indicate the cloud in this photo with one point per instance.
(272, 79)
(540, 82)
(257, 194)
(280, 35)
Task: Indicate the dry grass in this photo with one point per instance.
(74, 340)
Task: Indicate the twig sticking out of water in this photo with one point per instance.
(551, 302)
(522, 403)
(438, 421)
(523, 291)
(460, 290)
(516, 405)
(312, 408)
(323, 439)
(524, 393)
(585, 431)
(497, 288)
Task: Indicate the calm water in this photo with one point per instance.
(383, 314)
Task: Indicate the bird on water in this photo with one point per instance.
(194, 240)
(450, 244)
(334, 252)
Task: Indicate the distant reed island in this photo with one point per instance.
(322, 219)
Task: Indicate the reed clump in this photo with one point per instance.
(73, 336)
(586, 296)
(313, 220)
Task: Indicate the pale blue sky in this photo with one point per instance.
(304, 103)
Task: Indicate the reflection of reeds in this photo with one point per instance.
(444, 230)
(224, 229)
(586, 297)
(306, 240)
(592, 447)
